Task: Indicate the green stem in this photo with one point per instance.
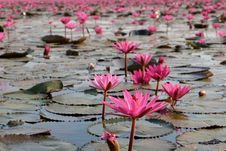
(83, 30)
(157, 87)
(132, 133)
(103, 108)
(126, 68)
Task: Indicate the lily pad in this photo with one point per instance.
(141, 32)
(55, 39)
(192, 121)
(203, 136)
(75, 110)
(144, 128)
(78, 99)
(9, 55)
(201, 147)
(23, 131)
(139, 145)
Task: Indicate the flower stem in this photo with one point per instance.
(103, 109)
(132, 133)
(71, 35)
(157, 87)
(83, 30)
(65, 32)
(50, 30)
(126, 68)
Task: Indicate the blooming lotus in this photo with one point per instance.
(65, 20)
(152, 29)
(105, 82)
(125, 47)
(82, 17)
(140, 77)
(175, 92)
(158, 72)
(143, 59)
(202, 41)
(71, 25)
(216, 25)
(134, 107)
(111, 141)
(98, 30)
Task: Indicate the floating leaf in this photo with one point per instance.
(200, 147)
(75, 110)
(144, 128)
(192, 121)
(203, 136)
(55, 39)
(141, 32)
(23, 131)
(139, 145)
(9, 55)
(78, 99)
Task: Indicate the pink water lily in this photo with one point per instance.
(105, 82)
(159, 73)
(82, 17)
(134, 107)
(140, 77)
(46, 52)
(125, 47)
(65, 20)
(152, 29)
(71, 25)
(175, 92)
(98, 29)
(143, 59)
(9, 23)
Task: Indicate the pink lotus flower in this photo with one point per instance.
(82, 17)
(71, 25)
(111, 141)
(221, 33)
(152, 29)
(168, 18)
(143, 59)
(105, 82)
(158, 72)
(2, 36)
(216, 25)
(65, 20)
(162, 60)
(125, 46)
(9, 23)
(190, 17)
(175, 92)
(96, 17)
(199, 34)
(134, 107)
(98, 30)
(140, 77)
(202, 41)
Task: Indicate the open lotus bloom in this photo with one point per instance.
(98, 30)
(135, 106)
(158, 72)
(65, 20)
(125, 46)
(175, 92)
(140, 77)
(143, 59)
(105, 82)
(71, 25)
(82, 17)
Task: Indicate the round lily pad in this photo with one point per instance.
(203, 136)
(78, 99)
(192, 121)
(75, 110)
(144, 128)
(201, 147)
(139, 145)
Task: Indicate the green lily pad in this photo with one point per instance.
(75, 110)
(78, 99)
(139, 145)
(192, 121)
(144, 128)
(203, 136)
